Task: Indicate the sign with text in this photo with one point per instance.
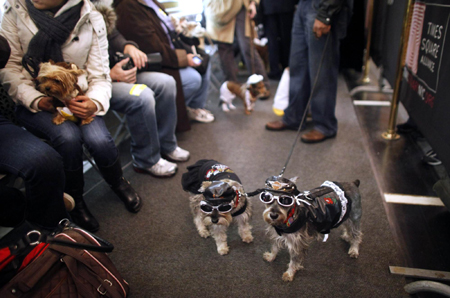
(426, 86)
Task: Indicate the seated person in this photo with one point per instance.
(150, 112)
(40, 167)
(147, 24)
(65, 30)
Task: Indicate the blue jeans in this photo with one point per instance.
(41, 168)
(67, 139)
(151, 115)
(195, 86)
(305, 57)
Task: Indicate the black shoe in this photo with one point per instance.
(128, 195)
(83, 217)
(406, 128)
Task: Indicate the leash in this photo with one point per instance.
(307, 106)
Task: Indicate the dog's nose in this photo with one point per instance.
(273, 215)
(47, 88)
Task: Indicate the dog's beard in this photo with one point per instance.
(223, 220)
(275, 215)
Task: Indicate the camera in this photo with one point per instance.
(120, 56)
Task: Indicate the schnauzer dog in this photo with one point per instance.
(59, 80)
(297, 218)
(217, 198)
(247, 92)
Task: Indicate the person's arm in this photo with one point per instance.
(5, 51)
(326, 10)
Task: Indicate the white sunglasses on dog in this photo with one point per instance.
(222, 208)
(283, 200)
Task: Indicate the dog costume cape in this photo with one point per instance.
(213, 171)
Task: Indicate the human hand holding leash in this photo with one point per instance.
(252, 9)
(320, 28)
(139, 57)
(120, 75)
(82, 106)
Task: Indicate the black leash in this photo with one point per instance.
(307, 106)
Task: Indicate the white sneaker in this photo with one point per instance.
(178, 154)
(200, 115)
(162, 168)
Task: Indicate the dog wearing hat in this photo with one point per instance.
(217, 198)
(248, 93)
(297, 218)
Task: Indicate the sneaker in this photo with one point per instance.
(200, 115)
(178, 154)
(431, 158)
(162, 168)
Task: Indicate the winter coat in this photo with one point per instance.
(87, 47)
(221, 18)
(138, 22)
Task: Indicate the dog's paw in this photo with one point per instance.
(223, 250)
(287, 276)
(269, 257)
(87, 121)
(232, 106)
(225, 108)
(345, 236)
(204, 233)
(58, 120)
(247, 238)
(353, 253)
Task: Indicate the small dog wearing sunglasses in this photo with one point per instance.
(59, 80)
(217, 198)
(247, 92)
(297, 218)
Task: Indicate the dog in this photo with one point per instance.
(248, 93)
(217, 198)
(297, 218)
(59, 80)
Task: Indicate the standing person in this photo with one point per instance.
(228, 21)
(150, 109)
(317, 23)
(147, 24)
(65, 30)
(277, 18)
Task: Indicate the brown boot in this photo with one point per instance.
(315, 136)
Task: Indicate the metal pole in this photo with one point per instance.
(369, 12)
(390, 134)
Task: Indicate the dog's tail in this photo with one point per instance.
(356, 182)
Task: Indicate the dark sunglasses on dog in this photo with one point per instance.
(222, 208)
(283, 200)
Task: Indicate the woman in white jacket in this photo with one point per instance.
(72, 31)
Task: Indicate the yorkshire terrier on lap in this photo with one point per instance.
(217, 198)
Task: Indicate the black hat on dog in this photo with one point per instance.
(219, 192)
(281, 184)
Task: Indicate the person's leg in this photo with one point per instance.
(285, 21)
(272, 30)
(323, 102)
(164, 87)
(195, 87)
(299, 80)
(102, 148)
(41, 168)
(227, 61)
(67, 140)
(244, 45)
(139, 107)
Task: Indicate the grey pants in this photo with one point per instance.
(226, 53)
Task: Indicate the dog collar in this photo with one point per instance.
(240, 211)
(291, 224)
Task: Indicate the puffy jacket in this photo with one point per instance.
(87, 47)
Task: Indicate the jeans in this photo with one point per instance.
(41, 168)
(226, 53)
(151, 115)
(304, 63)
(195, 86)
(67, 139)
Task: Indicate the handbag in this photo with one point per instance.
(66, 262)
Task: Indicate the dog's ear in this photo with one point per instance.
(204, 186)
(75, 70)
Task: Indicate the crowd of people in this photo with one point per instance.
(89, 34)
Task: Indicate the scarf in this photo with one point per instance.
(53, 32)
